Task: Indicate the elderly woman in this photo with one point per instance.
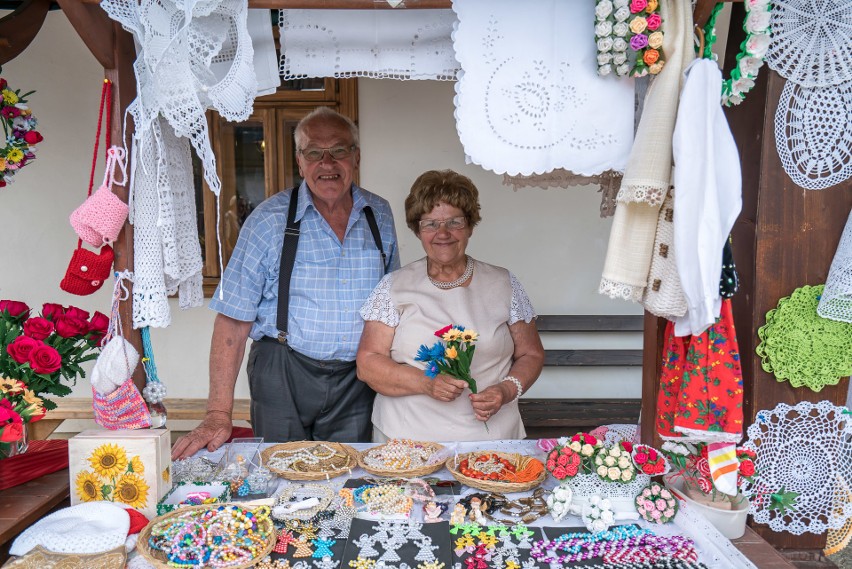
(447, 287)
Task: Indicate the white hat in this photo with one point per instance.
(114, 366)
(92, 527)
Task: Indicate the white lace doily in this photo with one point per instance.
(591, 484)
(383, 44)
(813, 134)
(836, 301)
(811, 41)
(529, 99)
(613, 434)
(805, 449)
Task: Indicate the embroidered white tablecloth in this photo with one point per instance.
(529, 99)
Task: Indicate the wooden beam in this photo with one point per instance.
(94, 27)
(588, 323)
(652, 360)
(18, 29)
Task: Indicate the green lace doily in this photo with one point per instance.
(798, 345)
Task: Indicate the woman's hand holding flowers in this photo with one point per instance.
(488, 401)
(445, 388)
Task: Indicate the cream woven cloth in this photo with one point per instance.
(648, 174)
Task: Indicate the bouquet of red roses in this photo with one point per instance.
(573, 456)
(40, 351)
(647, 459)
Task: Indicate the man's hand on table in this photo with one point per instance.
(212, 433)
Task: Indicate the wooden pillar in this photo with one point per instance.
(785, 238)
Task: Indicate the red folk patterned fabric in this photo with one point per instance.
(701, 384)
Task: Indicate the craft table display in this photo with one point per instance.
(346, 543)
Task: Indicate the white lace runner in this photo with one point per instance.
(836, 301)
(529, 99)
(392, 44)
(813, 134)
(811, 41)
(591, 484)
(805, 449)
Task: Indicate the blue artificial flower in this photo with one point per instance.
(436, 352)
(424, 354)
(432, 370)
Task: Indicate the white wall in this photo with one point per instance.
(553, 240)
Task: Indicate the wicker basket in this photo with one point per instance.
(350, 454)
(158, 558)
(519, 461)
(400, 473)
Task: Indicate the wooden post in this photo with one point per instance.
(785, 238)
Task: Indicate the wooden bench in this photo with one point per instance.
(81, 408)
(558, 417)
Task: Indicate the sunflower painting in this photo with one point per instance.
(114, 477)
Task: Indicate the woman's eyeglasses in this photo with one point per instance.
(451, 224)
(313, 154)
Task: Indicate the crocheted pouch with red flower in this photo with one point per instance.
(124, 408)
(87, 270)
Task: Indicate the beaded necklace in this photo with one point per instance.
(468, 272)
(617, 544)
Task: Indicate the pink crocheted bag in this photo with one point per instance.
(124, 408)
(100, 218)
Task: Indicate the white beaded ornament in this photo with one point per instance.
(805, 449)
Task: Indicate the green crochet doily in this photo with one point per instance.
(798, 345)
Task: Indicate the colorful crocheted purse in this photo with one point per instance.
(124, 408)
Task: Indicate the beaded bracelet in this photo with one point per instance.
(517, 383)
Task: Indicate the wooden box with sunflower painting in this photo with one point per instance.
(127, 467)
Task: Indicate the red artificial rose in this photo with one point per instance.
(69, 327)
(640, 458)
(589, 439)
(648, 468)
(627, 445)
(98, 326)
(652, 454)
(75, 312)
(33, 137)
(440, 333)
(747, 468)
(15, 308)
(2, 183)
(7, 414)
(551, 464)
(703, 466)
(562, 460)
(559, 473)
(571, 470)
(38, 328)
(576, 438)
(574, 459)
(45, 359)
(11, 433)
(52, 311)
(3, 83)
(746, 453)
(21, 347)
(705, 485)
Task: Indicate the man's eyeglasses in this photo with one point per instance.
(313, 154)
(451, 224)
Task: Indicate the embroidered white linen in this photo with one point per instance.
(393, 44)
(528, 98)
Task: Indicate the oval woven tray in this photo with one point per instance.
(158, 558)
(350, 455)
(519, 461)
(403, 473)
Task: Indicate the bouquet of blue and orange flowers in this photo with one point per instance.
(452, 356)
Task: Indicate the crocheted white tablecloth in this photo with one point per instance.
(716, 551)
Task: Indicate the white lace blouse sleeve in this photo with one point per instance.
(379, 306)
(522, 308)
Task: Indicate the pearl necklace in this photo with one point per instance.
(468, 272)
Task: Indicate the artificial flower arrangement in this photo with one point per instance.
(689, 462)
(19, 126)
(614, 464)
(18, 406)
(569, 457)
(656, 504)
(647, 459)
(452, 356)
(647, 39)
(40, 351)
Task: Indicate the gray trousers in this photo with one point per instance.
(294, 397)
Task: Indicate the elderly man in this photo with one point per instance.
(305, 261)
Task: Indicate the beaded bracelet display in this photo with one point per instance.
(219, 537)
(618, 545)
(400, 454)
(287, 503)
(317, 458)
